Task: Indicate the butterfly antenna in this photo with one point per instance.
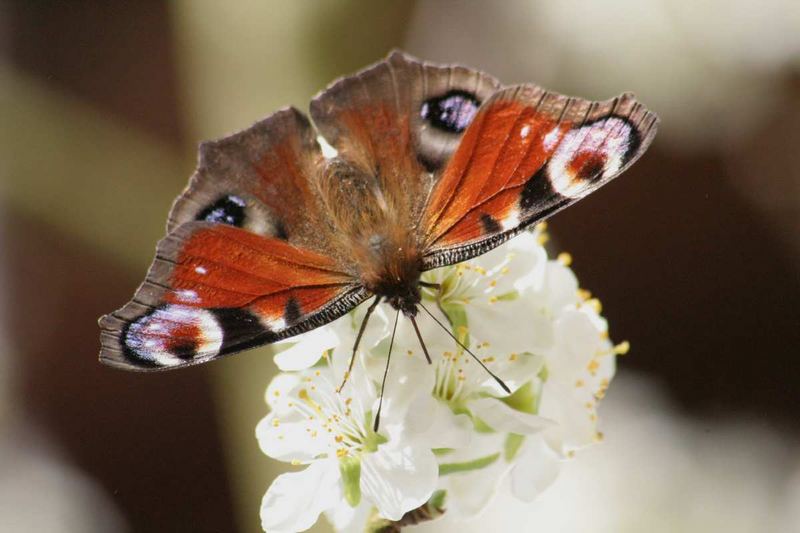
(497, 379)
(385, 373)
(421, 342)
(370, 309)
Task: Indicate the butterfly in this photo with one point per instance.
(422, 165)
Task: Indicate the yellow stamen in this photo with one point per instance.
(303, 395)
(622, 348)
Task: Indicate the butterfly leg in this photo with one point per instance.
(428, 285)
(370, 309)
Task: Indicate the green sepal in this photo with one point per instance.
(543, 373)
(437, 500)
(457, 316)
(350, 468)
(523, 399)
(480, 426)
(438, 452)
(512, 445)
(371, 440)
(509, 296)
(468, 466)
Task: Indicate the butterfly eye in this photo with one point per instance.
(227, 210)
(451, 112)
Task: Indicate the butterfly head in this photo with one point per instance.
(402, 296)
(406, 303)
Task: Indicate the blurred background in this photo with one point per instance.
(695, 252)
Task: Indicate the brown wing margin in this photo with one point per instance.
(528, 154)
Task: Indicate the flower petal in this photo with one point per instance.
(308, 350)
(504, 419)
(295, 500)
(278, 392)
(535, 470)
(432, 424)
(398, 480)
(287, 439)
(469, 492)
(346, 519)
(561, 287)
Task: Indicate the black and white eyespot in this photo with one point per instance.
(172, 335)
(243, 211)
(228, 209)
(590, 153)
(443, 119)
(452, 112)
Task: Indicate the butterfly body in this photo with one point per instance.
(433, 165)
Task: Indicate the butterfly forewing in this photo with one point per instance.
(216, 289)
(527, 154)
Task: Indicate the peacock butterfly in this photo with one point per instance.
(434, 165)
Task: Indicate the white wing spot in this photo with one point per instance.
(510, 221)
(551, 138)
(187, 296)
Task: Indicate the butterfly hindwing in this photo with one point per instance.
(215, 289)
(261, 179)
(527, 154)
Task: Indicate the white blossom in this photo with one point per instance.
(449, 425)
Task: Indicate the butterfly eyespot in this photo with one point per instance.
(227, 210)
(590, 153)
(172, 334)
(452, 112)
